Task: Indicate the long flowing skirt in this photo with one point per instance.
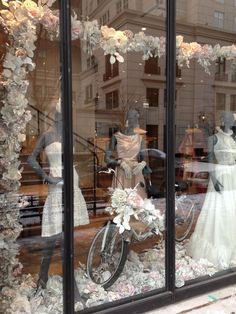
(214, 237)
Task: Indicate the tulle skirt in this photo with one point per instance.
(214, 237)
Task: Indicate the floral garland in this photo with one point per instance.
(20, 23)
(20, 20)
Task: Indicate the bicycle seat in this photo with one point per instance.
(181, 186)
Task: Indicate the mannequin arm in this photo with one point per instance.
(32, 160)
(111, 162)
(146, 169)
(212, 140)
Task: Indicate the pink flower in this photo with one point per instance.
(50, 20)
(125, 289)
(135, 200)
(128, 34)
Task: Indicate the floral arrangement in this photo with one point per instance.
(127, 203)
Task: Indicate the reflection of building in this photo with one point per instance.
(136, 82)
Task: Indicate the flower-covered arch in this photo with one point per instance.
(19, 20)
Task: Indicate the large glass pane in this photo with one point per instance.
(119, 143)
(31, 249)
(205, 141)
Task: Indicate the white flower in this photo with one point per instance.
(7, 73)
(179, 40)
(118, 198)
(12, 62)
(21, 304)
(12, 174)
(17, 99)
(21, 137)
(7, 15)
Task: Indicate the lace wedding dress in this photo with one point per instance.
(214, 237)
(53, 207)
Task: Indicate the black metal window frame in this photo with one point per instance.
(156, 298)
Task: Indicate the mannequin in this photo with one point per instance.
(50, 142)
(129, 164)
(214, 235)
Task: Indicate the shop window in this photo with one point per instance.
(111, 70)
(220, 68)
(112, 100)
(219, 19)
(220, 101)
(152, 96)
(88, 93)
(233, 103)
(151, 66)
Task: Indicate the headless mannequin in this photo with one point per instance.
(54, 135)
(227, 121)
(129, 164)
(213, 237)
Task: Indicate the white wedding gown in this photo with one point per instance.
(214, 237)
(53, 207)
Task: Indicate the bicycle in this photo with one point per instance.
(109, 249)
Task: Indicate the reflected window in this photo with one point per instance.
(112, 100)
(91, 61)
(88, 93)
(151, 66)
(125, 4)
(233, 73)
(219, 19)
(152, 133)
(178, 71)
(111, 70)
(152, 96)
(220, 101)
(220, 74)
(118, 7)
(233, 103)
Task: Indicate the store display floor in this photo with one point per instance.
(222, 301)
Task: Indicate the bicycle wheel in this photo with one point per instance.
(184, 217)
(107, 256)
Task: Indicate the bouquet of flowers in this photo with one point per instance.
(127, 203)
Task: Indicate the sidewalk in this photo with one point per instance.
(221, 301)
